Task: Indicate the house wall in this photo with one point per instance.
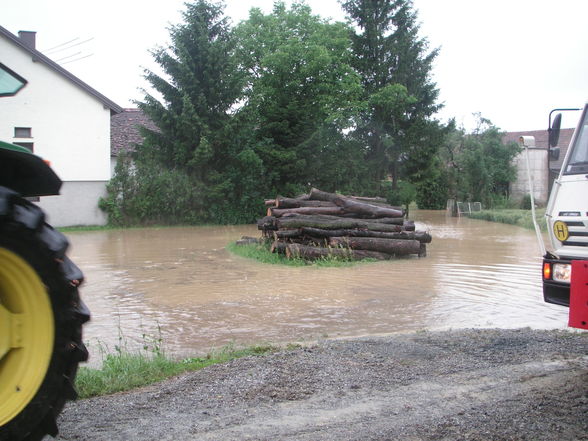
(70, 128)
(76, 205)
(539, 175)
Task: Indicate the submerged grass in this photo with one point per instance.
(83, 228)
(109, 227)
(261, 252)
(124, 370)
(521, 218)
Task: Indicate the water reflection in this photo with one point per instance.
(183, 281)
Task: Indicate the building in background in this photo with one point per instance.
(125, 132)
(543, 171)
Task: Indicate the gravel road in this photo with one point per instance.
(453, 385)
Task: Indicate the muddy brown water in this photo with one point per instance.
(183, 286)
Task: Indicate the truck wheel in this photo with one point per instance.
(41, 317)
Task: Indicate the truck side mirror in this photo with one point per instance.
(554, 131)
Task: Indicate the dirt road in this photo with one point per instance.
(455, 385)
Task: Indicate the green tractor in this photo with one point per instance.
(41, 314)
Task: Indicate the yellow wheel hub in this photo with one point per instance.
(26, 334)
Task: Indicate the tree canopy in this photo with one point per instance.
(396, 68)
(470, 166)
(284, 101)
(301, 91)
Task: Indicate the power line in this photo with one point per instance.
(69, 56)
(73, 45)
(59, 45)
(77, 59)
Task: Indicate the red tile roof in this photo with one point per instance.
(124, 130)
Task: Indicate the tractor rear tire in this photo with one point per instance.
(41, 318)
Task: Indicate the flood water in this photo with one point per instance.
(181, 284)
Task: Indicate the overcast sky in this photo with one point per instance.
(511, 60)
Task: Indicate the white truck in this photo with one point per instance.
(565, 265)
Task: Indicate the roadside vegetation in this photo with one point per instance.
(124, 370)
(113, 227)
(519, 217)
(84, 228)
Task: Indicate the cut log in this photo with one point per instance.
(319, 195)
(382, 220)
(297, 203)
(380, 202)
(367, 210)
(267, 223)
(369, 200)
(295, 250)
(397, 247)
(368, 206)
(408, 225)
(421, 236)
(333, 223)
(302, 197)
(286, 234)
(331, 211)
(247, 240)
(278, 247)
(329, 223)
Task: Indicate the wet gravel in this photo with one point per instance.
(453, 385)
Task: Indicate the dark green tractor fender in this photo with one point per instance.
(26, 173)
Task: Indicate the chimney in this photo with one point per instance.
(28, 38)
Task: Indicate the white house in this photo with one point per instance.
(63, 120)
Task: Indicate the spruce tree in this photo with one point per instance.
(199, 85)
(396, 68)
(197, 145)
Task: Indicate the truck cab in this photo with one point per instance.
(567, 216)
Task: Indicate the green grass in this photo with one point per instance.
(521, 218)
(262, 253)
(82, 228)
(125, 370)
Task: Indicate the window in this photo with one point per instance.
(578, 162)
(10, 81)
(22, 132)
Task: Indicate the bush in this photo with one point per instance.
(432, 193)
(526, 202)
(142, 193)
(501, 202)
(401, 196)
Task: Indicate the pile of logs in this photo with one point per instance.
(322, 224)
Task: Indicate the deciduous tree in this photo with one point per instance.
(470, 166)
(301, 93)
